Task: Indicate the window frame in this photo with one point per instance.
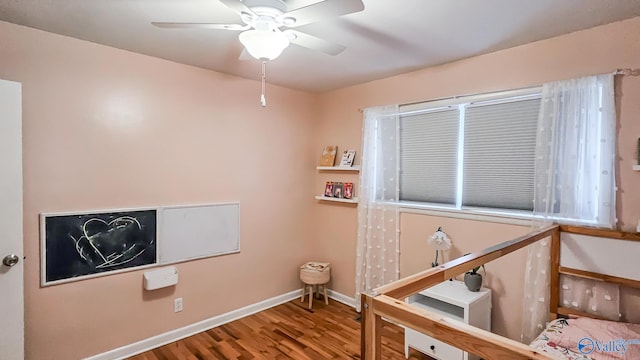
(458, 210)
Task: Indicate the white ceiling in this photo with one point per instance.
(387, 38)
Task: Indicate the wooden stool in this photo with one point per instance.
(312, 275)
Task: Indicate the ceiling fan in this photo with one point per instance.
(262, 21)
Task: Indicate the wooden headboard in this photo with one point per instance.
(610, 256)
(388, 301)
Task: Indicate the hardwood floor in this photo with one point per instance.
(287, 331)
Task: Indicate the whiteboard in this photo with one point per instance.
(192, 232)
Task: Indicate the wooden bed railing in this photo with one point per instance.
(388, 301)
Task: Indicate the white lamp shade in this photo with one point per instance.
(264, 44)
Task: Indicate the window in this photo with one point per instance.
(472, 152)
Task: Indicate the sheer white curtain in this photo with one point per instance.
(378, 223)
(574, 179)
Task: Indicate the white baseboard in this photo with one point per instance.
(204, 325)
(339, 297)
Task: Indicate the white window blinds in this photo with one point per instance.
(499, 152)
(428, 156)
(475, 151)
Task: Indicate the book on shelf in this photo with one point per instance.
(347, 190)
(328, 189)
(328, 155)
(347, 158)
(337, 190)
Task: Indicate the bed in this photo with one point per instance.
(587, 338)
(579, 329)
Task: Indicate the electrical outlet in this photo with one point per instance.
(177, 305)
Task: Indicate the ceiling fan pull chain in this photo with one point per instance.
(263, 100)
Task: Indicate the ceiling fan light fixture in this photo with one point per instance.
(264, 44)
(288, 21)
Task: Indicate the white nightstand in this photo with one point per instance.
(451, 299)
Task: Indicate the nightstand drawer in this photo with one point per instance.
(432, 347)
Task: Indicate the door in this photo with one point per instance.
(11, 269)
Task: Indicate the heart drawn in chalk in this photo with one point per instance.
(106, 244)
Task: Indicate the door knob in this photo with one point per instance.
(10, 260)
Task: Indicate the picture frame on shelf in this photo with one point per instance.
(328, 156)
(338, 190)
(347, 191)
(348, 156)
(328, 189)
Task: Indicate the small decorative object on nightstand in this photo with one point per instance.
(472, 278)
(453, 300)
(440, 242)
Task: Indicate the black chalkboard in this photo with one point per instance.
(86, 244)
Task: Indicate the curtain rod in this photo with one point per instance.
(622, 72)
(627, 72)
(361, 110)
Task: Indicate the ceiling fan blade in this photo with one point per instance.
(296, 4)
(314, 43)
(172, 25)
(322, 10)
(238, 6)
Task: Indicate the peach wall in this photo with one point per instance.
(88, 108)
(468, 236)
(598, 50)
(106, 128)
